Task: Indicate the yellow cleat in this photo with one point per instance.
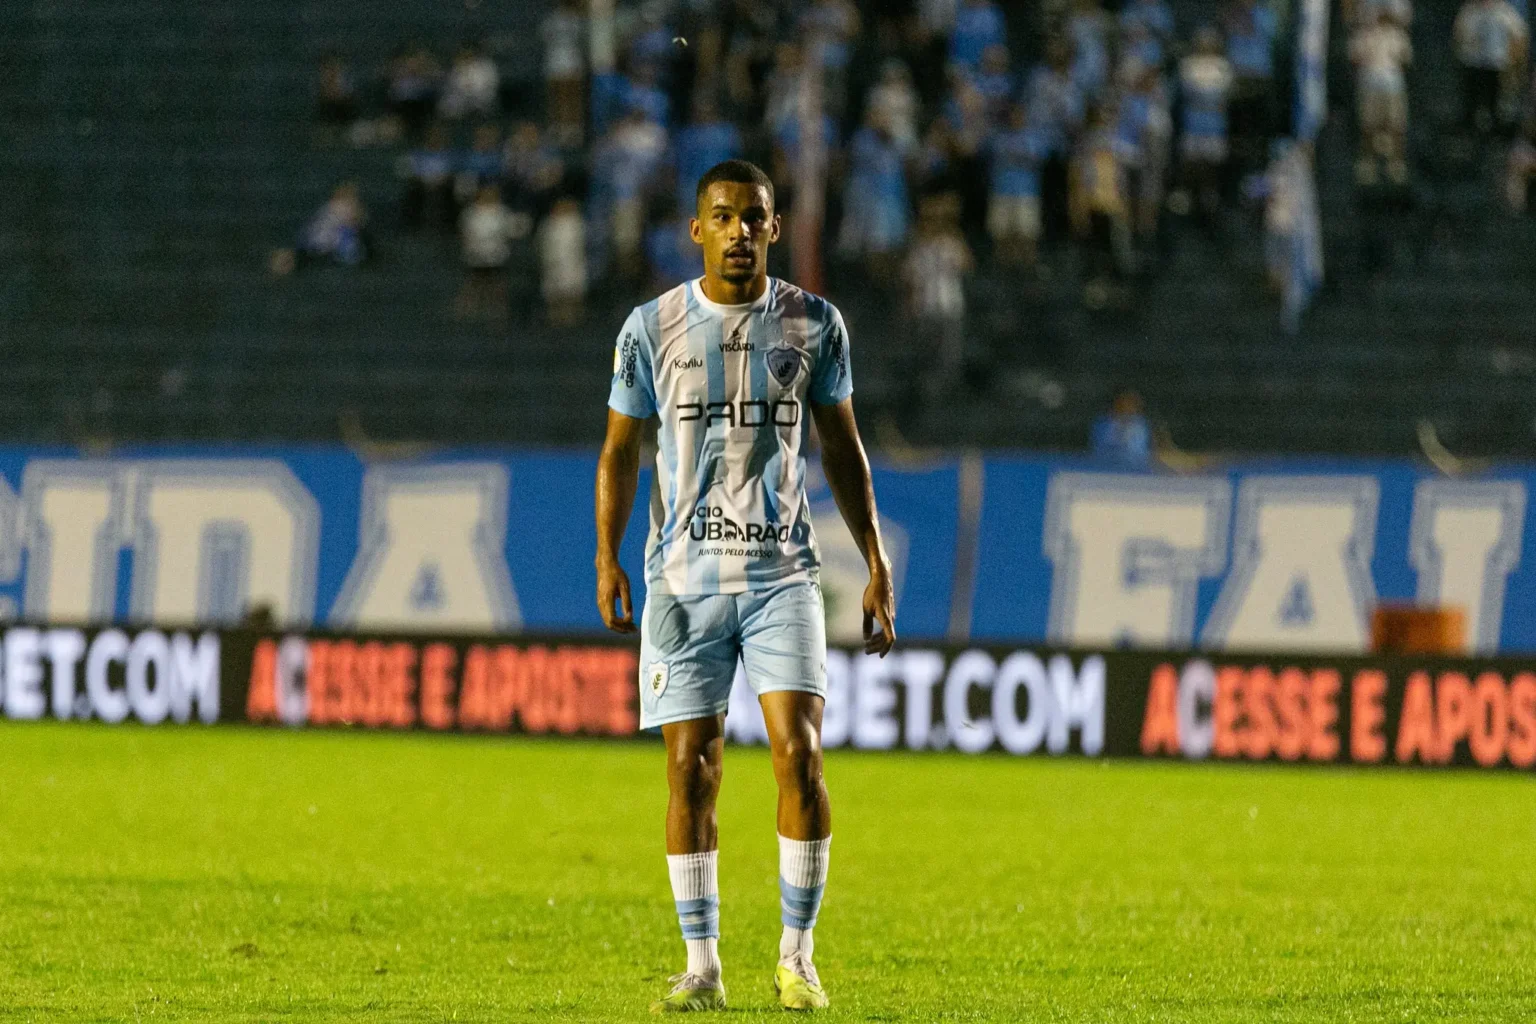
(691, 992)
(797, 985)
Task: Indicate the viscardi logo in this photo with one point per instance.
(736, 345)
(711, 523)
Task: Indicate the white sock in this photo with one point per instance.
(802, 879)
(696, 889)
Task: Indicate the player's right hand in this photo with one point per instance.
(613, 589)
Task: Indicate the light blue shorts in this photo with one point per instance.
(690, 645)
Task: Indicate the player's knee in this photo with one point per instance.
(695, 776)
(797, 762)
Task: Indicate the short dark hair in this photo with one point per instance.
(740, 172)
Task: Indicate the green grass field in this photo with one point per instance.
(244, 875)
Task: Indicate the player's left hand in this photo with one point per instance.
(879, 606)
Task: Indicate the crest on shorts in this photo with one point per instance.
(784, 363)
(656, 678)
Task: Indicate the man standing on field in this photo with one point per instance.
(731, 364)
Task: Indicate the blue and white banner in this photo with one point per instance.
(1286, 556)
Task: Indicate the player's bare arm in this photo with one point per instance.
(618, 470)
(847, 471)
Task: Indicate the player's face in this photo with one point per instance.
(735, 225)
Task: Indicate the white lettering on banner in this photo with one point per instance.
(874, 703)
(1128, 554)
(194, 677)
(1197, 692)
(1301, 558)
(213, 537)
(72, 533)
(292, 672)
(109, 705)
(862, 700)
(970, 669)
(163, 675)
(65, 648)
(1465, 542)
(430, 551)
(920, 671)
(837, 715)
(24, 674)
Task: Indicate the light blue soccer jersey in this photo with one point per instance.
(730, 385)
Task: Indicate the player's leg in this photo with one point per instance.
(783, 646)
(687, 661)
(694, 763)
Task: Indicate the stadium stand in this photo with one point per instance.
(160, 151)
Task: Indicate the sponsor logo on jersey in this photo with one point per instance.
(624, 360)
(784, 363)
(736, 343)
(750, 413)
(691, 363)
(709, 522)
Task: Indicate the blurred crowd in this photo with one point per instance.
(959, 141)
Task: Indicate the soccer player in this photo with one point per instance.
(735, 365)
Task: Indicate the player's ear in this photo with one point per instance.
(773, 229)
(695, 231)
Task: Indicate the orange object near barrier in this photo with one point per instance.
(1410, 629)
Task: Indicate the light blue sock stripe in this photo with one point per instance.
(798, 905)
(700, 918)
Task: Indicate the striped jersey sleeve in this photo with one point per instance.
(832, 378)
(633, 391)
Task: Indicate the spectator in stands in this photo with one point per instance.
(473, 87)
(414, 77)
(936, 270)
(782, 99)
(751, 35)
(669, 250)
(337, 233)
(1143, 128)
(564, 71)
(896, 100)
(1100, 212)
(643, 92)
(427, 171)
(1056, 110)
(1359, 14)
(830, 27)
(1381, 52)
(874, 224)
(1520, 177)
(1154, 19)
(994, 83)
(486, 230)
(336, 103)
(627, 165)
(978, 25)
(1251, 27)
(484, 164)
(1123, 436)
(1013, 209)
(563, 262)
(1278, 189)
(1491, 45)
(1089, 29)
(1205, 80)
(534, 170)
(709, 140)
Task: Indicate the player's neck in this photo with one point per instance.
(732, 293)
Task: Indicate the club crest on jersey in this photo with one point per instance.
(784, 363)
(656, 678)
